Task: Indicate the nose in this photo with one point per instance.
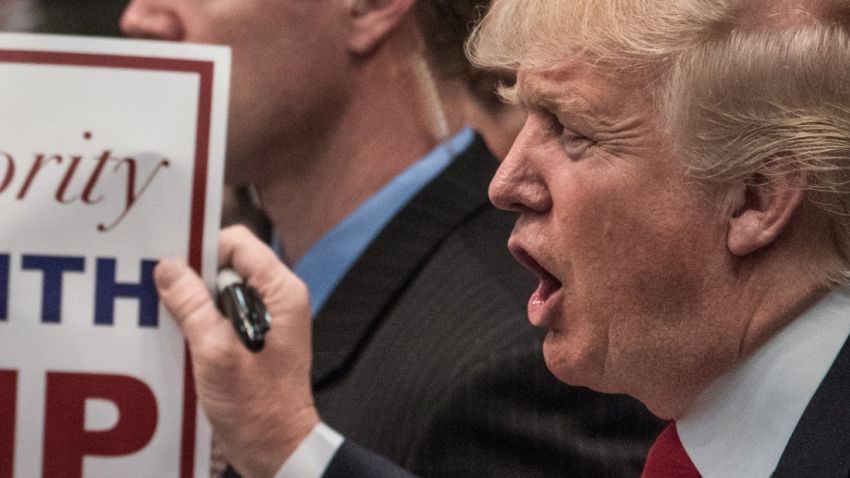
(518, 185)
(154, 19)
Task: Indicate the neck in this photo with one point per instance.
(383, 130)
(775, 309)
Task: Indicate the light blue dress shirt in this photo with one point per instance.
(325, 264)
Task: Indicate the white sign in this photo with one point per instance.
(111, 156)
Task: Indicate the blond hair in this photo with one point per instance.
(747, 88)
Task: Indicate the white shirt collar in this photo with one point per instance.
(741, 424)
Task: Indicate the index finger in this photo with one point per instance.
(258, 265)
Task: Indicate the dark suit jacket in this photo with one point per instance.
(820, 444)
(423, 354)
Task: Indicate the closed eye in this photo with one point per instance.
(575, 145)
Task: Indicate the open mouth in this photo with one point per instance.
(549, 284)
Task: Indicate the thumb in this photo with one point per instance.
(186, 298)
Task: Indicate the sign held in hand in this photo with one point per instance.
(111, 156)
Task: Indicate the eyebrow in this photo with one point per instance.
(554, 99)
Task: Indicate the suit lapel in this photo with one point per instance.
(390, 262)
(820, 444)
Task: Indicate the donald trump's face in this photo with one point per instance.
(629, 253)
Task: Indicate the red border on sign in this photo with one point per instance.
(204, 69)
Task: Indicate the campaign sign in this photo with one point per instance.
(111, 156)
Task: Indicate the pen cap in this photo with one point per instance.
(226, 278)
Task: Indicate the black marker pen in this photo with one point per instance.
(243, 306)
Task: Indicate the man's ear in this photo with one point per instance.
(761, 209)
(373, 20)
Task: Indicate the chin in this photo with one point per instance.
(571, 363)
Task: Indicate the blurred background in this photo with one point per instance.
(82, 17)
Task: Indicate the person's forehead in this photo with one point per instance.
(544, 85)
(573, 87)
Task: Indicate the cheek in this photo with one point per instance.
(625, 244)
(637, 265)
(592, 236)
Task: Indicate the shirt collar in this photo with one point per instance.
(741, 424)
(325, 264)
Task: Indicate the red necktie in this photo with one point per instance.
(667, 458)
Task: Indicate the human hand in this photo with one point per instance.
(259, 404)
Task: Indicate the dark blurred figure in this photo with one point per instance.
(81, 17)
(241, 205)
(468, 95)
(469, 91)
(70, 17)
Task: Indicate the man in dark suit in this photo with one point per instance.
(683, 195)
(682, 185)
(378, 198)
